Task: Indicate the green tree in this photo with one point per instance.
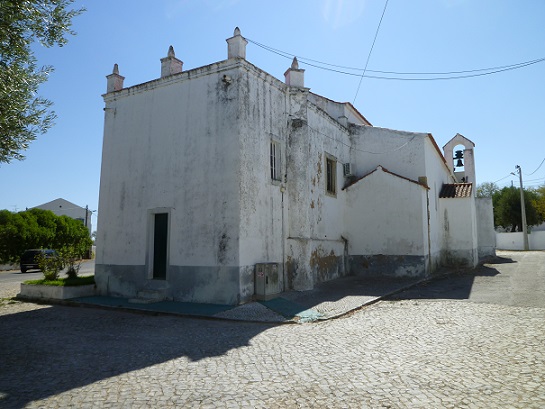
(38, 228)
(507, 208)
(487, 189)
(23, 114)
(540, 203)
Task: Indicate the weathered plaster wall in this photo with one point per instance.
(315, 247)
(398, 151)
(386, 216)
(262, 114)
(460, 231)
(334, 109)
(485, 227)
(162, 154)
(437, 174)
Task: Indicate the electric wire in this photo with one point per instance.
(370, 51)
(289, 55)
(505, 177)
(442, 75)
(530, 174)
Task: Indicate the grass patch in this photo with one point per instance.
(64, 282)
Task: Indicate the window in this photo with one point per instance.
(275, 161)
(331, 175)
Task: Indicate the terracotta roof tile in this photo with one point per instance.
(456, 190)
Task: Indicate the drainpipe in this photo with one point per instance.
(429, 229)
(282, 190)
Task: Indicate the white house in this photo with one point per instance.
(207, 173)
(62, 207)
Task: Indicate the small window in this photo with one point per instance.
(331, 175)
(275, 161)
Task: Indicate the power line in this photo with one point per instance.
(530, 174)
(290, 56)
(505, 177)
(442, 75)
(370, 51)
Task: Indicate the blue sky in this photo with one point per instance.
(503, 113)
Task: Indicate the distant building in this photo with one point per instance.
(210, 172)
(62, 207)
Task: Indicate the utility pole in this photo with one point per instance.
(523, 208)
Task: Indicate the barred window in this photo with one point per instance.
(275, 161)
(331, 175)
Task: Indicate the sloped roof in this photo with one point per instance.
(456, 190)
(380, 167)
(457, 139)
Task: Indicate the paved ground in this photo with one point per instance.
(451, 344)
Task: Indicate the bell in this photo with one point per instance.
(459, 155)
(459, 163)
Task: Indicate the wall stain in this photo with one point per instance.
(324, 265)
(291, 271)
(312, 204)
(222, 248)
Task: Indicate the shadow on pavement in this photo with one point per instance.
(453, 286)
(51, 350)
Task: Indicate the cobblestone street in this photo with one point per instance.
(410, 353)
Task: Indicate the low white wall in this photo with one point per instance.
(514, 241)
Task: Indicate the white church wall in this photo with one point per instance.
(386, 226)
(162, 154)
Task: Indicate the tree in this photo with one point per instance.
(507, 208)
(540, 204)
(23, 114)
(36, 228)
(487, 189)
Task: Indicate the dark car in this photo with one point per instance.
(29, 259)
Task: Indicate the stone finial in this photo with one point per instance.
(236, 45)
(295, 77)
(114, 81)
(170, 65)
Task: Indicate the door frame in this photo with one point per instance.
(151, 240)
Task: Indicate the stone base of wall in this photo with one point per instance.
(51, 292)
(461, 258)
(198, 284)
(388, 266)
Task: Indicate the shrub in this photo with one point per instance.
(50, 265)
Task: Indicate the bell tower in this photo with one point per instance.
(458, 159)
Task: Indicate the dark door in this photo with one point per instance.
(160, 243)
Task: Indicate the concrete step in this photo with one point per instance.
(148, 297)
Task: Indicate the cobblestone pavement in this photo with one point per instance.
(412, 353)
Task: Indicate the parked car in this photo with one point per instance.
(29, 259)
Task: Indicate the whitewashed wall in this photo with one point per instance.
(315, 247)
(398, 151)
(485, 227)
(161, 153)
(437, 174)
(514, 241)
(460, 231)
(262, 118)
(386, 216)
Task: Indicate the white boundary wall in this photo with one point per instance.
(514, 241)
